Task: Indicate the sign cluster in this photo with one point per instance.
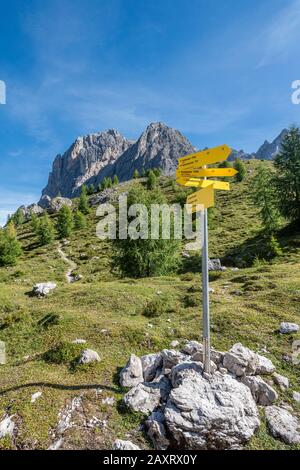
(192, 172)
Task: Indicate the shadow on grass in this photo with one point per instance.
(59, 387)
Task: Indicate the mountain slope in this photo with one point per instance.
(268, 150)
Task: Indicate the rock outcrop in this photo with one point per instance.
(43, 288)
(283, 425)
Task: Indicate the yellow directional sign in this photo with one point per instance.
(197, 183)
(206, 172)
(205, 157)
(200, 200)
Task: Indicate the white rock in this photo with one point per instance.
(283, 425)
(262, 392)
(240, 360)
(119, 444)
(264, 365)
(108, 401)
(79, 341)
(35, 396)
(155, 427)
(132, 374)
(182, 370)
(146, 397)
(296, 396)
(281, 381)
(150, 364)
(43, 288)
(171, 358)
(174, 343)
(215, 414)
(7, 427)
(286, 327)
(56, 445)
(192, 347)
(88, 355)
(214, 264)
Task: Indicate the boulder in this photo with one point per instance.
(150, 364)
(57, 203)
(132, 374)
(264, 365)
(283, 425)
(218, 413)
(281, 381)
(240, 360)
(171, 358)
(119, 444)
(156, 430)
(43, 288)
(286, 328)
(29, 210)
(192, 347)
(7, 427)
(87, 356)
(262, 392)
(44, 202)
(214, 265)
(296, 396)
(146, 397)
(182, 370)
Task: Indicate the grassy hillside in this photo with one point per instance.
(247, 306)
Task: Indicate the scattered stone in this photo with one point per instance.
(56, 445)
(185, 254)
(214, 264)
(35, 396)
(235, 269)
(264, 365)
(88, 355)
(150, 325)
(146, 397)
(283, 425)
(159, 292)
(156, 430)
(242, 361)
(79, 341)
(286, 328)
(281, 381)
(43, 288)
(174, 343)
(150, 364)
(104, 331)
(75, 277)
(132, 374)
(211, 290)
(262, 392)
(215, 414)
(108, 401)
(7, 427)
(124, 445)
(296, 396)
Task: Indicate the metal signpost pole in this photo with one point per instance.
(205, 294)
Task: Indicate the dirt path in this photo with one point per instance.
(71, 263)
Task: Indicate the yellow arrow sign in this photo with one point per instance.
(197, 183)
(206, 172)
(200, 200)
(205, 157)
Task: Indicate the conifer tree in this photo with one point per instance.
(83, 205)
(65, 222)
(10, 247)
(79, 220)
(45, 230)
(239, 166)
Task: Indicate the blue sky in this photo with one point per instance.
(219, 71)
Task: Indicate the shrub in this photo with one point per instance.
(151, 180)
(63, 353)
(241, 169)
(155, 308)
(10, 247)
